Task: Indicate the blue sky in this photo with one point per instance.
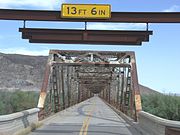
(157, 61)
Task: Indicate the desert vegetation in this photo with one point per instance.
(162, 105)
(11, 102)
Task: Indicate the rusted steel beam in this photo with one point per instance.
(94, 78)
(135, 86)
(62, 87)
(75, 53)
(69, 31)
(94, 85)
(129, 17)
(93, 81)
(85, 36)
(92, 39)
(100, 64)
(94, 72)
(99, 78)
(43, 92)
(91, 87)
(84, 42)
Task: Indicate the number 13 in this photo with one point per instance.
(74, 10)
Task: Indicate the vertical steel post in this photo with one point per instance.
(135, 86)
(55, 90)
(118, 88)
(122, 89)
(109, 93)
(68, 86)
(59, 85)
(62, 86)
(103, 96)
(78, 92)
(106, 98)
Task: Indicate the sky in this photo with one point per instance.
(158, 61)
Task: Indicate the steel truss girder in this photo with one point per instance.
(87, 79)
(92, 64)
(119, 87)
(77, 53)
(85, 36)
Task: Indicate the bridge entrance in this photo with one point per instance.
(74, 76)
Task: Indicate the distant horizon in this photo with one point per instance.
(163, 92)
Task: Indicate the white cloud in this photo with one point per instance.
(116, 26)
(174, 8)
(24, 51)
(42, 4)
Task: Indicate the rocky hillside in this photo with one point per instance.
(146, 91)
(22, 72)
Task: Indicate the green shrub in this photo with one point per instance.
(11, 102)
(164, 106)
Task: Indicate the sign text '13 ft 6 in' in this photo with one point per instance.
(86, 11)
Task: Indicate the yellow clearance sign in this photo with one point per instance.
(87, 11)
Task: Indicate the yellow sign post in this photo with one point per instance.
(86, 11)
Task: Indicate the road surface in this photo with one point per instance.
(91, 117)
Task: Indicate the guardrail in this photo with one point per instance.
(149, 124)
(11, 124)
(153, 125)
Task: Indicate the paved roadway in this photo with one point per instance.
(91, 117)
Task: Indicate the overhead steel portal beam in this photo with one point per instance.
(98, 64)
(129, 17)
(67, 31)
(74, 53)
(82, 42)
(85, 36)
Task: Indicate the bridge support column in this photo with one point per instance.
(62, 87)
(135, 86)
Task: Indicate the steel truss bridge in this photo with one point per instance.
(79, 86)
(74, 76)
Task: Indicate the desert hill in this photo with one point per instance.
(23, 72)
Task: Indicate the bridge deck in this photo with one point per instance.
(92, 117)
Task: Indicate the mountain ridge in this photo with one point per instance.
(25, 72)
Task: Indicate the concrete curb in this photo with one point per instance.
(14, 116)
(155, 125)
(29, 129)
(17, 122)
(148, 124)
(156, 119)
(129, 120)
